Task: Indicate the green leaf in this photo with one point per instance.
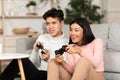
(83, 8)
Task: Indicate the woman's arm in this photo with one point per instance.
(68, 67)
(96, 57)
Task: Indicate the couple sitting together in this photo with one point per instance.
(81, 59)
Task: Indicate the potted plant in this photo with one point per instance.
(31, 3)
(31, 6)
(83, 8)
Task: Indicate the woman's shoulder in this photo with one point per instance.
(97, 40)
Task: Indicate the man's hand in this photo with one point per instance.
(35, 45)
(46, 55)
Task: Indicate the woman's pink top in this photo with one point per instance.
(92, 51)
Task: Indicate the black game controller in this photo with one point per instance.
(41, 47)
(61, 50)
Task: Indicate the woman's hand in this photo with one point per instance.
(73, 50)
(45, 55)
(59, 58)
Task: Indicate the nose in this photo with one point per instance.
(50, 26)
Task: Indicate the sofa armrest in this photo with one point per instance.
(25, 44)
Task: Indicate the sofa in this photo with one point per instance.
(109, 33)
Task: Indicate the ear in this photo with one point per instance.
(62, 22)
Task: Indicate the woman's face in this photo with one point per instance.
(76, 33)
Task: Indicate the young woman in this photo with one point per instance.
(84, 55)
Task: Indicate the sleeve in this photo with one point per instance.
(69, 65)
(97, 57)
(35, 57)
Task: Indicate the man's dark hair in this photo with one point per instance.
(87, 32)
(54, 13)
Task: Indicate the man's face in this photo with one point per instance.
(54, 26)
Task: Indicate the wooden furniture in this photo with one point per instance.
(17, 14)
(6, 12)
(18, 56)
(8, 22)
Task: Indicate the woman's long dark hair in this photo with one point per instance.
(87, 32)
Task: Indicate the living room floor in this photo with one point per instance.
(4, 64)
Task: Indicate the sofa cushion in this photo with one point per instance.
(112, 76)
(114, 37)
(112, 61)
(101, 31)
(66, 30)
(28, 51)
(25, 43)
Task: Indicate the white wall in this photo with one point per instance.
(110, 9)
(18, 8)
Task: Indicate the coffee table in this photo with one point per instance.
(18, 56)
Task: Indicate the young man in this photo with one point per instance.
(35, 68)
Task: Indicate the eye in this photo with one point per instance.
(47, 23)
(53, 22)
(76, 30)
